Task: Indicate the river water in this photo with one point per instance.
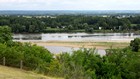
(76, 36)
(62, 49)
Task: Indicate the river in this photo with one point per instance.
(76, 36)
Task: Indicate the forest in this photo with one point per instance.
(81, 64)
(70, 23)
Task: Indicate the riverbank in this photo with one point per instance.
(97, 45)
(85, 44)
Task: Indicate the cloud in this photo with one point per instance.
(69, 4)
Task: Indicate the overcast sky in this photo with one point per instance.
(69, 4)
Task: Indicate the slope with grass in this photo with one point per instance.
(14, 73)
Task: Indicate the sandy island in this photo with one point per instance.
(98, 44)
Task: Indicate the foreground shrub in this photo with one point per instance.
(87, 64)
(33, 57)
(80, 64)
(135, 44)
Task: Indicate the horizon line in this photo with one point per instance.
(69, 10)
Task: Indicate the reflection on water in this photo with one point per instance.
(76, 36)
(27, 37)
(61, 49)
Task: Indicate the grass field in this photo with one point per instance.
(14, 73)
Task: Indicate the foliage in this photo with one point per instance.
(86, 64)
(135, 44)
(68, 23)
(33, 57)
(124, 61)
(5, 34)
(80, 64)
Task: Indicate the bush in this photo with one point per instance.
(33, 57)
(135, 44)
(86, 64)
(81, 64)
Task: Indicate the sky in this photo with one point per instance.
(69, 4)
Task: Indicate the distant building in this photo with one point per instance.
(105, 16)
(100, 28)
(27, 16)
(63, 27)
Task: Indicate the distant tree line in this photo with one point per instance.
(69, 23)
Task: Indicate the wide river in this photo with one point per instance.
(103, 37)
(76, 37)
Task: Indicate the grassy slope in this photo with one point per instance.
(14, 73)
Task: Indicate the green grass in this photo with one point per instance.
(14, 73)
(113, 44)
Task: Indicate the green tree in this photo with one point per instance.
(135, 44)
(5, 34)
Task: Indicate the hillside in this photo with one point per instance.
(14, 73)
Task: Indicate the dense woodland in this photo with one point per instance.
(70, 23)
(81, 64)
